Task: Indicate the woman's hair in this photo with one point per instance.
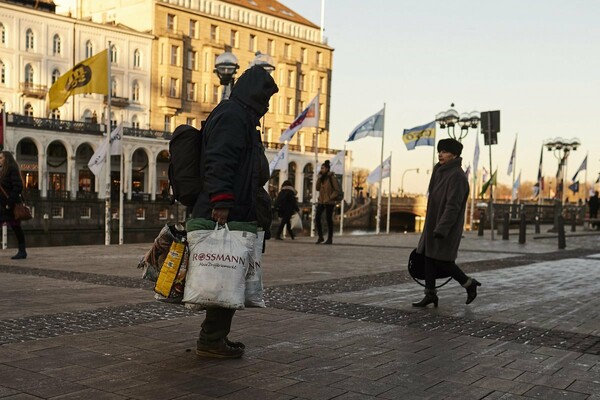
(9, 163)
(327, 164)
(287, 183)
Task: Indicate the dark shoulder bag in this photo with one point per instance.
(20, 210)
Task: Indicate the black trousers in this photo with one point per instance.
(16, 227)
(216, 325)
(449, 267)
(328, 208)
(285, 221)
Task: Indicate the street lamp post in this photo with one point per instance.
(561, 148)
(264, 60)
(449, 119)
(402, 180)
(226, 65)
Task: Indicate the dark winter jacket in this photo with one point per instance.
(328, 188)
(448, 193)
(233, 163)
(13, 186)
(286, 203)
(593, 204)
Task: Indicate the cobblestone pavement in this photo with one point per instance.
(78, 323)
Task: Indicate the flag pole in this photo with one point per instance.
(514, 169)
(4, 147)
(342, 206)
(389, 205)
(378, 219)
(107, 208)
(121, 189)
(585, 188)
(313, 216)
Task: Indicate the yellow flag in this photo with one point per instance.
(89, 76)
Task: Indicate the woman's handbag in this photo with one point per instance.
(20, 210)
(416, 269)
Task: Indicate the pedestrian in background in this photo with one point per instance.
(593, 205)
(328, 188)
(11, 194)
(444, 220)
(286, 205)
(235, 171)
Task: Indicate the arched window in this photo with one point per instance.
(113, 87)
(56, 44)
(137, 59)
(29, 74)
(113, 121)
(28, 110)
(292, 173)
(2, 34)
(2, 72)
(113, 54)
(135, 122)
(29, 39)
(55, 114)
(55, 75)
(87, 116)
(135, 91)
(89, 49)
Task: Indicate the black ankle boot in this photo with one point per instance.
(20, 255)
(430, 297)
(471, 289)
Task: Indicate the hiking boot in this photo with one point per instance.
(235, 345)
(219, 349)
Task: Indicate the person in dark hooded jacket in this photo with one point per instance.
(286, 205)
(444, 220)
(235, 170)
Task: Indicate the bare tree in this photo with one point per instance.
(359, 179)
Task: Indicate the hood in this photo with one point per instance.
(254, 89)
(289, 188)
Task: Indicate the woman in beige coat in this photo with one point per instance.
(329, 189)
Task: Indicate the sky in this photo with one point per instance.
(536, 61)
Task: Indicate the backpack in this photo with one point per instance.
(185, 174)
(340, 196)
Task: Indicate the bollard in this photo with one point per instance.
(573, 220)
(505, 226)
(481, 223)
(561, 232)
(537, 224)
(522, 229)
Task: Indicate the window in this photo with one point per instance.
(55, 114)
(252, 43)
(113, 54)
(191, 91)
(167, 123)
(287, 50)
(55, 75)
(215, 94)
(135, 122)
(290, 78)
(270, 46)
(113, 87)
(163, 213)
(28, 110)
(192, 60)
(56, 45)
(301, 81)
(193, 28)
(140, 213)
(171, 22)
(214, 33)
(89, 49)
(2, 73)
(319, 58)
(29, 74)
(57, 212)
(174, 55)
(289, 106)
(303, 55)
(135, 91)
(2, 34)
(85, 212)
(322, 85)
(190, 121)
(234, 38)
(29, 43)
(162, 85)
(174, 83)
(137, 58)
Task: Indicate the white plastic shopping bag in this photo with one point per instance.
(217, 268)
(296, 222)
(254, 285)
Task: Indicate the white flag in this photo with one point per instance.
(517, 185)
(377, 173)
(372, 126)
(308, 117)
(476, 155)
(337, 163)
(280, 160)
(98, 159)
(512, 158)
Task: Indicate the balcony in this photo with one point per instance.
(116, 101)
(53, 124)
(147, 133)
(171, 104)
(171, 33)
(33, 90)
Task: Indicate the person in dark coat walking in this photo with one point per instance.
(286, 205)
(593, 205)
(444, 220)
(12, 183)
(235, 170)
(328, 188)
